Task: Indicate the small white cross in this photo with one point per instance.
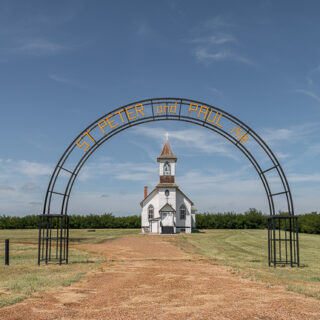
(167, 136)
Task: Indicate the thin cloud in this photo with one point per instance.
(214, 44)
(104, 195)
(202, 54)
(40, 47)
(216, 23)
(117, 203)
(304, 177)
(281, 155)
(205, 55)
(143, 29)
(309, 94)
(291, 134)
(34, 168)
(191, 138)
(12, 170)
(135, 176)
(316, 69)
(58, 78)
(64, 80)
(6, 188)
(312, 152)
(271, 135)
(215, 39)
(36, 203)
(223, 182)
(215, 91)
(120, 171)
(30, 187)
(314, 149)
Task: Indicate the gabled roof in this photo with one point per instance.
(167, 185)
(148, 196)
(155, 190)
(167, 207)
(167, 153)
(185, 197)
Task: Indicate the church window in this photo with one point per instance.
(167, 169)
(182, 212)
(167, 192)
(150, 211)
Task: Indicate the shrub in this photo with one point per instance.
(250, 219)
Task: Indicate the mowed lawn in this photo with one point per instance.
(245, 251)
(24, 277)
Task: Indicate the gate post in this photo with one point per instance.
(7, 252)
(283, 242)
(53, 245)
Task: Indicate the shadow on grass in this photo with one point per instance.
(78, 239)
(198, 231)
(50, 263)
(82, 262)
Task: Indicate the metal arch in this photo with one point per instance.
(87, 155)
(182, 102)
(235, 120)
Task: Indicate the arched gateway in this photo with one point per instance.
(283, 244)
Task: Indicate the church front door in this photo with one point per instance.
(167, 230)
(167, 222)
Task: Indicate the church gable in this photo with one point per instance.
(149, 197)
(184, 196)
(167, 207)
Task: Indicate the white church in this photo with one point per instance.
(167, 209)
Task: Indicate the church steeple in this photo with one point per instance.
(167, 161)
(166, 153)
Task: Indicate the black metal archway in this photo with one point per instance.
(283, 244)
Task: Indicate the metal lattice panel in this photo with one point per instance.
(53, 238)
(283, 241)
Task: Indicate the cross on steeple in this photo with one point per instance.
(167, 136)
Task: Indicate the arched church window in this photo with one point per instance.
(182, 212)
(150, 211)
(167, 169)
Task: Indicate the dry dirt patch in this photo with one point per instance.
(146, 277)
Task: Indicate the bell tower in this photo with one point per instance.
(167, 162)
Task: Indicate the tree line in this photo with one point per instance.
(251, 219)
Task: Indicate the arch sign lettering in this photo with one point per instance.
(138, 112)
(283, 247)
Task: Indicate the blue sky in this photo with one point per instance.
(63, 64)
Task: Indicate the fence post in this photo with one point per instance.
(7, 252)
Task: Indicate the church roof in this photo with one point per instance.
(155, 191)
(167, 185)
(166, 152)
(186, 197)
(167, 207)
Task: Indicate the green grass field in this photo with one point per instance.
(245, 251)
(24, 277)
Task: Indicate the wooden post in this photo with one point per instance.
(7, 252)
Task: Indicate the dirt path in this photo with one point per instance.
(146, 277)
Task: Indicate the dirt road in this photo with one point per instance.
(146, 277)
